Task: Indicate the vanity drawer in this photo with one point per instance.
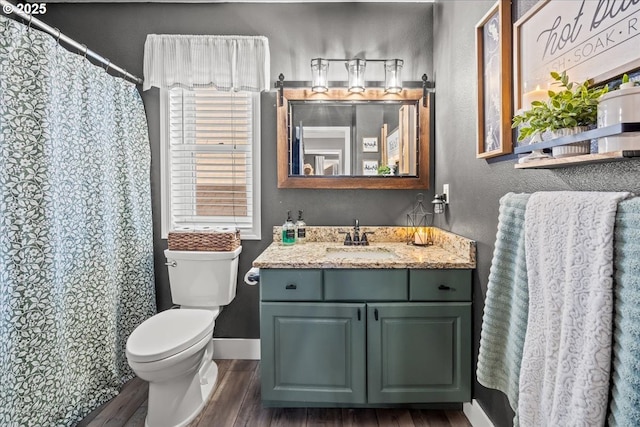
(290, 285)
(365, 285)
(440, 285)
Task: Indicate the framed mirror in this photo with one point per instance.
(338, 139)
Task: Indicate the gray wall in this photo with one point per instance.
(296, 33)
(477, 185)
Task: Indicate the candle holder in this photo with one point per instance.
(419, 224)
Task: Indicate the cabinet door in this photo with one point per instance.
(419, 352)
(313, 352)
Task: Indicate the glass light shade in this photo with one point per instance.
(438, 204)
(393, 75)
(319, 69)
(356, 69)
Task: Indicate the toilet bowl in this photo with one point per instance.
(173, 350)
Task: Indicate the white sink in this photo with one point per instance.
(360, 252)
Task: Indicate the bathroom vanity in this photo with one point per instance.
(388, 323)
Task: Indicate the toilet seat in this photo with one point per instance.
(169, 333)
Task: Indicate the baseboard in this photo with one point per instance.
(236, 348)
(475, 414)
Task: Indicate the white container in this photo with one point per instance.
(574, 149)
(568, 150)
(619, 106)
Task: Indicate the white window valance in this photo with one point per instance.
(199, 61)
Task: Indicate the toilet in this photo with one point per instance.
(173, 350)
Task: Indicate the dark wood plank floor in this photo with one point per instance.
(236, 402)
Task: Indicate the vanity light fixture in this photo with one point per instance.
(356, 68)
(439, 201)
(393, 83)
(355, 72)
(393, 75)
(319, 68)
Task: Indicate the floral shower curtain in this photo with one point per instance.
(76, 252)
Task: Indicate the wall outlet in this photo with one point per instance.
(445, 190)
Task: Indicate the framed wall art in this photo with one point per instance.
(370, 145)
(393, 147)
(590, 40)
(494, 68)
(369, 167)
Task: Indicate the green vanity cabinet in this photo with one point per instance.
(349, 337)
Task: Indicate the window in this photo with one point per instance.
(210, 160)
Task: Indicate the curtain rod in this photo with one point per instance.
(10, 8)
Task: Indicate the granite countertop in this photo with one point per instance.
(324, 249)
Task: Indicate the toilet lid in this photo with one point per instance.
(168, 333)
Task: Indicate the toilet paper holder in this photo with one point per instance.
(252, 277)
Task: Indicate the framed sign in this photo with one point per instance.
(393, 147)
(370, 145)
(590, 40)
(369, 167)
(493, 50)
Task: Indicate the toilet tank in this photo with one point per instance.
(202, 279)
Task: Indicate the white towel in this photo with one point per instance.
(564, 377)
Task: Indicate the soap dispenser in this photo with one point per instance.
(288, 231)
(301, 227)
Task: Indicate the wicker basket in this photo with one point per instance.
(218, 241)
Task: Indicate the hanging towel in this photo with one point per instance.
(504, 321)
(625, 377)
(564, 377)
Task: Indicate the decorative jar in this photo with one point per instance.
(619, 106)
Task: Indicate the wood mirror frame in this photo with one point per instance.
(421, 181)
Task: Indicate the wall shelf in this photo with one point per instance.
(585, 159)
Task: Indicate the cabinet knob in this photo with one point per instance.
(444, 288)
(375, 314)
(291, 286)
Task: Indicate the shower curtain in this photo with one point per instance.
(76, 251)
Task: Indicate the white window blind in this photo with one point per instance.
(212, 168)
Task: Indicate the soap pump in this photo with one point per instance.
(301, 228)
(288, 231)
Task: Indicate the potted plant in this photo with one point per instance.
(388, 170)
(572, 109)
(384, 170)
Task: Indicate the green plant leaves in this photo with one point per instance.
(574, 105)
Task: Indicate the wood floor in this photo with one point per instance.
(236, 402)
